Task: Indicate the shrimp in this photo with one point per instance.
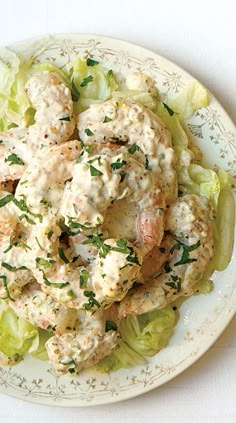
(99, 181)
(139, 128)
(106, 280)
(42, 310)
(191, 250)
(54, 123)
(75, 350)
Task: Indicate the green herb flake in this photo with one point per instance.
(4, 281)
(107, 119)
(132, 259)
(40, 246)
(89, 148)
(62, 255)
(14, 159)
(133, 148)
(94, 171)
(84, 275)
(169, 110)
(5, 200)
(50, 234)
(88, 132)
(185, 255)
(91, 302)
(162, 250)
(91, 62)
(53, 284)
(65, 118)
(45, 263)
(110, 325)
(27, 218)
(13, 268)
(86, 81)
(74, 92)
(118, 164)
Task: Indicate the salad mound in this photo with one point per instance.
(107, 291)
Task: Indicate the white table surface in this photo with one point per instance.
(200, 36)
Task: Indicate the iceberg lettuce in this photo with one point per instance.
(141, 336)
(93, 83)
(194, 96)
(16, 334)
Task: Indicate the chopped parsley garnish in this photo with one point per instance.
(107, 119)
(118, 164)
(45, 263)
(91, 62)
(185, 255)
(27, 218)
(110, 325)
(86, 81)
(53, 284)
(50, 234)
(65, 118)
(4, 281)
(12, 268)
(88, 132)
(89, 148)
(40, 246)
(94, 171)
(21, 204)
(162, 250)
(175, 284)
(91, 300)
(76, 225)
(122, 247)
(14, 159)
(132, 259)
(83, 278)
(96, 240)
(169, 110)
(62, 255)
(133, 148)
(6, 200)
(74, 92)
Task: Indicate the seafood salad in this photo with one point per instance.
(107, 216)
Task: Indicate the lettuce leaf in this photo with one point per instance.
(122, 357)
(16, 334)
(193, 97)
(141, 336)
(93, 83)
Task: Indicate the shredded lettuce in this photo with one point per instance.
(141, 336)
(193, 97)
(16, 334)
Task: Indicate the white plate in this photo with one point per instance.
(202, 318)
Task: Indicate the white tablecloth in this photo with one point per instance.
(200, 36)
